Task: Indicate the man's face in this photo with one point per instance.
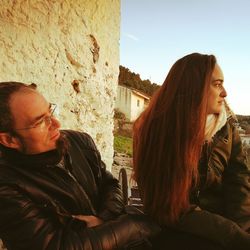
(29, 108)
(217, 92)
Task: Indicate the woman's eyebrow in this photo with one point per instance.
(218, 80)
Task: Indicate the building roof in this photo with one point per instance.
(141, 94)
(137, 92)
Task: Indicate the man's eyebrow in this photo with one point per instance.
(40, 116)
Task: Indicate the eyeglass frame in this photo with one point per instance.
(46, 120)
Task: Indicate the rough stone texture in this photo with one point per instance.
(123, 161)
(70, 49)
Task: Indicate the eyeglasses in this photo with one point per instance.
(45, 121)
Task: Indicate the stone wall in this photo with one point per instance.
(70, 49)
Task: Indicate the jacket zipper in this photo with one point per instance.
(80, 187)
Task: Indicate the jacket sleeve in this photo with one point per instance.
(111, 201)
(215, 228)
(24, 225)
(237, 184)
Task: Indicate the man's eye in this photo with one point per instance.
(39, 122)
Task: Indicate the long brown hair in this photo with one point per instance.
(168, 138)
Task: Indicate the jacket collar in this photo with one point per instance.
(14, 157)
(214, 123)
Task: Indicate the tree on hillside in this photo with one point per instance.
(133, 80)
(244, 121)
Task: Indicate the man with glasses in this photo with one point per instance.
(54, 190)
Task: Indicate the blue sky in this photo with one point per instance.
(155, 33)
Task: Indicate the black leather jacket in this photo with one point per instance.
(223, 197)
(38, 199)
(225, 177)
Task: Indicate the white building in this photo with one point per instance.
(131, 102)
(245, 138)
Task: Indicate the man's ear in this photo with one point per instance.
(9, 141)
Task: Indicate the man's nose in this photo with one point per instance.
(55, 123)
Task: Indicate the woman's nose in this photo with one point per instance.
(223, 92)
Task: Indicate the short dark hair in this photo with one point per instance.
(7, 89)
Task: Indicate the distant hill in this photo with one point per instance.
(244, 121)
(133, 80)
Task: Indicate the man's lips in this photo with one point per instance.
(55, 136)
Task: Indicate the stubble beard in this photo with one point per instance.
(62, 145)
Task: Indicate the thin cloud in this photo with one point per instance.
(130, 36)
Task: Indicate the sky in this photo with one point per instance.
(156, 33)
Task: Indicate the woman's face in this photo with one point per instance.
(217, 92)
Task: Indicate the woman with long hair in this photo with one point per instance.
(187, 152)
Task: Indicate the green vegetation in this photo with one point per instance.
(118, 115)
(123, 144)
